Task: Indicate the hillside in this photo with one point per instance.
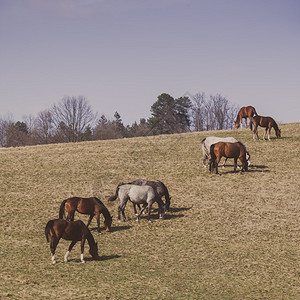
(234, 236)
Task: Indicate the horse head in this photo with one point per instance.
(163, 212)
(94, 251)
(278, 133)
(107, 223)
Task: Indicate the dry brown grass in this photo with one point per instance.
(227, 237)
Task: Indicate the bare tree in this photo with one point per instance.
(44, 127)
(198, 110)
(4, 125)
(72, 116)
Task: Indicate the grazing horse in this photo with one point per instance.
(70, 231)
(230, 150)
(266, 122)
(158, 186)
(145, 195)
(88, 206)
(244, 113)
(210, 140)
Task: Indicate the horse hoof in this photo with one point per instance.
(54, 262)
(119, 221)
(83, 261)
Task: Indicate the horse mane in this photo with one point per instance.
(243, 146)
(89, 236)
(275, 125)
(105, 211)
(238, 118)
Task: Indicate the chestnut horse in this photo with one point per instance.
(87, 206)
(266, 122)
(245, 112)
(228, 150)
(208, 141)
(70, 231)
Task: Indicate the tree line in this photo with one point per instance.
(73, 120)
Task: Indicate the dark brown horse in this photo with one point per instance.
(266, 122)
(70, 231)
(228, 150)
(87, 206)
(244, 113)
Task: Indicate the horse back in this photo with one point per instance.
(229, 150)
(74, 230)
(140, 194)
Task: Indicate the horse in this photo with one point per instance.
(158, 186)
(88, 206)
(245, 112)
(208, 141)
(70, 231)
(145, 195)
(266, 122)
(230, 150)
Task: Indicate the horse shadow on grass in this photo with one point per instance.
(251, 169)
(113, 228)
(102, 258)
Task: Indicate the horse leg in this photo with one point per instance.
(216, 163)
(265, 134)
(246, 122)
(122, 209)
(235, 164)
(141, 211)
(90, 220)
(69, 250)
(149, 210)
(269, 131)
(70, 216)
(98, 221)
(224, 162)
(53, 244)
(82, 249)
(205, 158)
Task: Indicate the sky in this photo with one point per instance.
(121, 55)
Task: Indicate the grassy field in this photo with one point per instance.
(234, 236)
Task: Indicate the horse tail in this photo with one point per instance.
(204, 150)
(62, 209)
(212, 152)
(48, 228)
(113, 198)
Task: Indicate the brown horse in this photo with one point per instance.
(266, 122)
(245, 112)
(88, 206)
(228, 150)
(70, 231)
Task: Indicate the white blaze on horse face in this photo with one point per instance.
(66, 256)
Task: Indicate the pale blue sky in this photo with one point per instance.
(122, 54)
